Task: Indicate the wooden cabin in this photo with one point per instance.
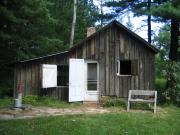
(108, 62)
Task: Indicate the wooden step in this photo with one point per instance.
(91, 104)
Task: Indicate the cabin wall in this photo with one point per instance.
(29, 74)
(106, 47)
(115, 44)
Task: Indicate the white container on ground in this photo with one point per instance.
(18, 101)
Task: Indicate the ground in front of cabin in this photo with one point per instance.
(111, 121)
(60, 118)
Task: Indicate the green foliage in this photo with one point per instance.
(47, 101)
(6, 102)
(173, 82)
(160, 86)
(119, 102)
(168, 10)
(6, 89)
(160, 83)
(115, 102)
(142, 106)
(30, 99)
(32, 28)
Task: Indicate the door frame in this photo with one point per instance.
(86, 92)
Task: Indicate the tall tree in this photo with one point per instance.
(73, 24)
(170, 10)
(138, 8)
(38, 27)
(149, 21)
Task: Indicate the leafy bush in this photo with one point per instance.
(115, 102)
(173, 82)
(139, 105)
(6, 102)
(160, 83)
(119, 102)
(6, 89)
(30, 99)
(160, 86)
(47, 101)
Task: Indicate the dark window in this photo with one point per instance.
(63, 75)
(125, 67)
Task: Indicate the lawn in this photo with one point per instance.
(165, 122)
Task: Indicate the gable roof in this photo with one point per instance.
(114, 22)
(118, 24)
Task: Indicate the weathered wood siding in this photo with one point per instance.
(106, 47)
(29, 74)
(115, 44)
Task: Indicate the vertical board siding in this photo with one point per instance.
(107, 62)
(106, 47)
(102, 73)
(112, 63)
(117, 51)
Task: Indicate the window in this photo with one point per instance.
(127, 67)
(92, 76)
(62, 75)
(53, 75)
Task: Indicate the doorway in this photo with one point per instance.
(83, 80)
(91, 81)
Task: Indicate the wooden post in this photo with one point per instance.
(129, 97)
(155, 100)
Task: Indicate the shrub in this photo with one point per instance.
(139, 105)
(160, 86)
(6, 89)
(173, 82)
(47, 101)
(30, 99)
(120, 102)
(6, 102)
(115, 102)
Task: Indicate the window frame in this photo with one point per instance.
(118, 68)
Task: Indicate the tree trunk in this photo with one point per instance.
(73, 24)
(101, 7)
(149, 21)
(173, 54)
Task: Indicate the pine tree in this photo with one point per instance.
(171, 11)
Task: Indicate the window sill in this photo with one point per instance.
(61, 86)
(124, 75)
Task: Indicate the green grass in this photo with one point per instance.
(165, 122)
(37, 101)
(120, 102)
(6, 102)
(47, 101)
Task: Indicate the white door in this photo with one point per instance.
(91, 81)
(76, 80)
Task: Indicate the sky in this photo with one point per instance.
(137, 22)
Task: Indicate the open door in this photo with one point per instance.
(49, 76)
(76, 80)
